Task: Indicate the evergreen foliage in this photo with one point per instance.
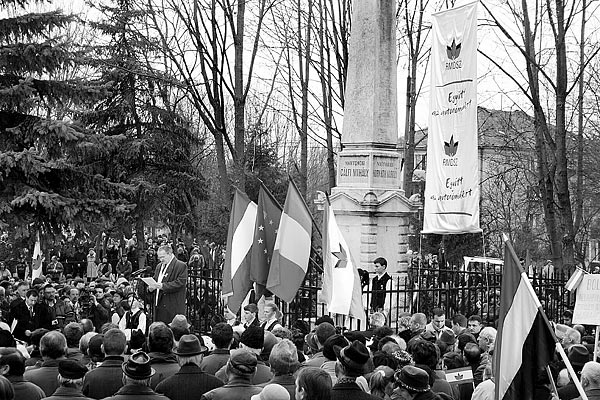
(45, 182)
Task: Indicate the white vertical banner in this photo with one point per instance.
(452, 180)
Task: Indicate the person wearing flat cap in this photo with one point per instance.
(70, 381)
(351, 363)
(240, 369)
(412, 383)
(137, 373)
(190, 382)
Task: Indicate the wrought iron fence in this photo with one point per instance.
(470, 292)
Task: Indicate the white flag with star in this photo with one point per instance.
(341, 284)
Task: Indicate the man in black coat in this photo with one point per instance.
(137, 373)
(30, 315)
(171, 278)
(190, 381)
(106, 379)
(222, 337)
(350, 365)
(380, 285)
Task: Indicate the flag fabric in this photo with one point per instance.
(342, 291)
(452, 178)
(575, 279)
(236, 270)
(291, 252)
(525, 343)
(37, 259)
(268, 215)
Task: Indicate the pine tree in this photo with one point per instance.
(45, 182)
(155, 156)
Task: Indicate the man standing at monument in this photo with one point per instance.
(171, 279)
(380, 284)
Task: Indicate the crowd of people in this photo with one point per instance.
(61, 347)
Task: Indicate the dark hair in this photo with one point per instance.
(15, 362)
(160, 338)
(7, 339)
(384, 340)
(460, 320)
(179, 332)
(465, 338)
(32, 292)
(381, 358)
(472, 353)
(476, 317)
(438, 312)
(315, 382)
(425, 353)
(6, 389)
(114, 342)
(453, 360)
(221, 335)
(73, 333)
(380, 260)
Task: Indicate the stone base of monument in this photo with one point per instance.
(374, 220)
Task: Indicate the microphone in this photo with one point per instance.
(141, 271)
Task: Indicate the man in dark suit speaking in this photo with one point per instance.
(171, 279)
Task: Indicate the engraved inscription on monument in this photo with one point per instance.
(353, 170)
(386, 171)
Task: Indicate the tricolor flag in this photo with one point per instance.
(268, 215)
(342, 291)
(37, 259)
(575, 279)
(289, 263)
(525, 342)
(236, 271)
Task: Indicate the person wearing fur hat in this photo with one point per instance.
(412, 383)
(239, 369)
(351, 362)
(253, 340)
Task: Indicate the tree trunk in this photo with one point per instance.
(141, 242)
(579, 185)
(239, 100)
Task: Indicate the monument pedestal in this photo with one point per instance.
(371, 209)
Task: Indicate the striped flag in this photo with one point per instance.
(268, 215)
(525, 342)
(291, 253)
(37, 259)
(236, 270)
(575, 279)
(342, 291)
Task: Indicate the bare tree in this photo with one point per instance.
(551, 141)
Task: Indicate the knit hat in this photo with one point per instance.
(71, 369)
(413, 378)
(272, 391)
(253, 337)
(242, 362)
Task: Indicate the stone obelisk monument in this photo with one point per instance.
(370, 206)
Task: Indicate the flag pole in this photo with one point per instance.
(306, 205)
(596, 343)
(557, 344)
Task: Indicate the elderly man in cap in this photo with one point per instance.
(190, 381)
(350, 365)
(70, 379)
(137, 373)
(107, 378)
(253, 340)
(240, 369)
(412, 383)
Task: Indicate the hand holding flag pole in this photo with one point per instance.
(503, 364)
